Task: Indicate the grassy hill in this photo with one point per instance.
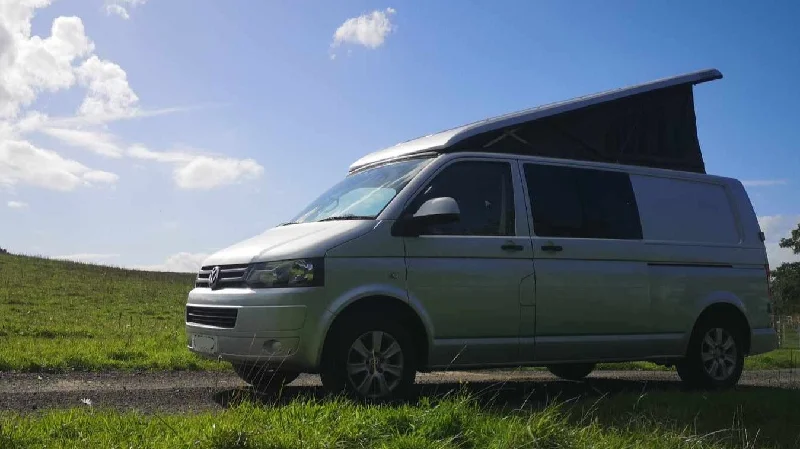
(58, 315)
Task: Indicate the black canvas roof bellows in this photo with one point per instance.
(656, 128)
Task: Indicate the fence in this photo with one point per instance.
(788, 328)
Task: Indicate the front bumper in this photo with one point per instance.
(763, 340)
(274, 328)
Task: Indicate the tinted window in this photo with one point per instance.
(578, 202)
(684, 210)
(484, 193)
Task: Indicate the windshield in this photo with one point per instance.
(362, 195)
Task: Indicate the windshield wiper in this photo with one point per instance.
(348, 217)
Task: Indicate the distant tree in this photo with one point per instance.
(785, 284)
(785, 280)
(3, 251)
(793, 242)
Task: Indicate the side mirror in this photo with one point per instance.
(435, 211)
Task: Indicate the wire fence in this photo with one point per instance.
(788, 329)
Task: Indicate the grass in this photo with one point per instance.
(742, 419)
(61, 316)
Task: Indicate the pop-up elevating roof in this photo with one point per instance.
(651, 124)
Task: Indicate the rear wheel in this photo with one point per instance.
(264, 379)
(572, 371)
(370, 357)
(715, 356)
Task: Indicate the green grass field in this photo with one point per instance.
(745, 419)
(61, 316)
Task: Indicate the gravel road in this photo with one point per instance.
(168, 392)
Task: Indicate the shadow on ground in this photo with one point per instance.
(507, 394)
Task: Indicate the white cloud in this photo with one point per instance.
(100, 177)
(776, 227)
(21, 162)
(17, 204)
(183, 262)
(108, 89)
(200, 171)
(778, 255)
(96, 141)
(765, 182)
(118, 10)
(30, 64)
(87, 257)
(121, 7)
(369, 30)
(206, 172)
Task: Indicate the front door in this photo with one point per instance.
(467, 275)
(592, 291)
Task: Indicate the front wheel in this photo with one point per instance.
(714, 358)
(264, 379)
(370, 360)
(571, 371)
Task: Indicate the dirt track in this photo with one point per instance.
(195, 391)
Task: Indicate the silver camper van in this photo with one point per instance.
(574, 233)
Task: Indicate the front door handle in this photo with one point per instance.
(554, 248)
(512, 247)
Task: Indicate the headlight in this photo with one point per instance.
(286, 273)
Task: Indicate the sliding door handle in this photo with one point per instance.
(552, 248)
(512, 247)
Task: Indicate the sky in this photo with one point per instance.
(151, 133)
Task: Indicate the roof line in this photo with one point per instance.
(559, 107)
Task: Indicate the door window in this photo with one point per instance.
(485, 196)
(584, 203)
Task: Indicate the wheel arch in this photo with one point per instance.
(731, 311)
(380, 303)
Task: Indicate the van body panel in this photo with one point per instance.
(303, 240)
(356, 278)
(591, 287)
(608, 348)
(470, 285)
(596, 299)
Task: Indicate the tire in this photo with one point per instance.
(571, 371)
(381, 375)
(715, 356)
(263, 379)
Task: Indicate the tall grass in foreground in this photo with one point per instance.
(625, 421)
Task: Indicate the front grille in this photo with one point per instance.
(230, 276)
(212, 316)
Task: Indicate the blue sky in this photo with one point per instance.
(196, 124)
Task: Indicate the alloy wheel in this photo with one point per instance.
(718, 354)
(375, 364)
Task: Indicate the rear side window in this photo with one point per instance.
(582, 203)
(685, 211)
(485, 196)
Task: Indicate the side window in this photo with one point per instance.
(579, 202)
(485, 196)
